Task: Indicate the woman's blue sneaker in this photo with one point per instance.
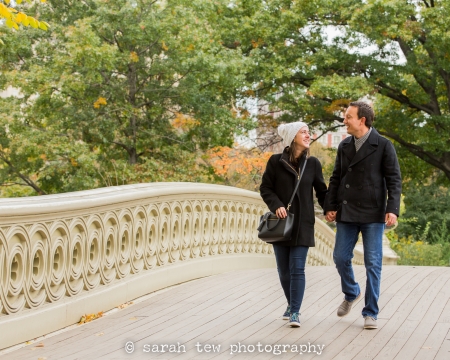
(294, 321)
(287, 313)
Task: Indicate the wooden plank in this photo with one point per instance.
(335, 331)
(403, 288)
(444, 351)
(426, 324)
(434, 342)
(383, 335)
(121, 323)
(198, 312)
(246, 307)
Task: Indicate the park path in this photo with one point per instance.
(237, 315)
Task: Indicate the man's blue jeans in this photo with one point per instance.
(346, 238)
(291, 262)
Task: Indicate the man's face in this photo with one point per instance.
(353, 124)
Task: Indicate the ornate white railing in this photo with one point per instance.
(89, 251)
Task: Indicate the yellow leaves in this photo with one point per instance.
(13, 21)
(100, 101)
(190, 47)
(164, 46)
(337, 105)
(123, 306)
(134, 57)
(73, 162)
(257, 43)
(43, 157)
(184, 122)
(404, 92)
(89, 317)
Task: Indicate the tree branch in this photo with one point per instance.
(418, 151)
(26, 179)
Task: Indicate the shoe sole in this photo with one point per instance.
(285, 317)
(357, 298)
(370, 327)
(294, 324)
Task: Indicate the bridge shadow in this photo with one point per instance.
(238, 315)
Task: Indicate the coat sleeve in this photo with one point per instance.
(393, 178)
(267, 188)
(335, 180)
(319, 184)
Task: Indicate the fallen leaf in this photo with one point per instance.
(133, 318)
(29, 342)
(123, 306)
(89, 317)
(42, 358)
(99, 334)
(40, 345)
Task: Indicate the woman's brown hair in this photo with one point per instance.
(291, 152)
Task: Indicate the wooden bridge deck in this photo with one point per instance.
(241, 311)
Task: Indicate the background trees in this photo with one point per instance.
(118, 92)
(312, 57)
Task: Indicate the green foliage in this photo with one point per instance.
(427, 214)
(420, 253)
(393, 52)
(145, 83)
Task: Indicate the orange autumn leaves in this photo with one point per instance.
(89, 317)
(240, 167)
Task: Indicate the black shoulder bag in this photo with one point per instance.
(273, 229)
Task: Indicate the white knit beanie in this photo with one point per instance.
(288, 131)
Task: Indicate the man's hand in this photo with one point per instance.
(330, 216)
(281, 212)
(391, 219)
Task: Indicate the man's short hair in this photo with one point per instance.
(364, 110)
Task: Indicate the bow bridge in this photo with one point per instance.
(63, 256)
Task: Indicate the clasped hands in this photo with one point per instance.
(390, 218)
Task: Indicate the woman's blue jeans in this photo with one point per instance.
(372, 237)
(291, 262)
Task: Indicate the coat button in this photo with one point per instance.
(359, 204)
(344, 202)
(350, 169)
(347, 186)
(360, 187)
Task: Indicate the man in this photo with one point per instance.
(363, 197)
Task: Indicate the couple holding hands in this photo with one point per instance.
(363, 197)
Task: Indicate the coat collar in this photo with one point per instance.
(284, 159)
(370, 146)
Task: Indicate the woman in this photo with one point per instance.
(278, 183)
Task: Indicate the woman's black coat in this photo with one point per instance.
(278, 183)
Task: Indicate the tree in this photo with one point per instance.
(312, 57)
(143, 82)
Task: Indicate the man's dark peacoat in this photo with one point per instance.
(367, 184)
(277, 186)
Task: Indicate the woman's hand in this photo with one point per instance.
(281, 212)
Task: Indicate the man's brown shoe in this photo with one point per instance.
(346, 306)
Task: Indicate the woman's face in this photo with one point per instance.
(302, 138)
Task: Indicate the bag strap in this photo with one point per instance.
(296, 185)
